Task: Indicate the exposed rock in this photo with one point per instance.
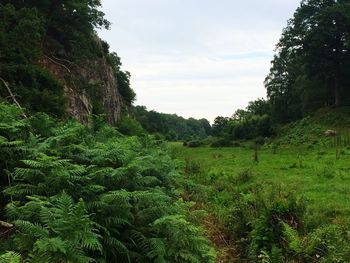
(85, 85)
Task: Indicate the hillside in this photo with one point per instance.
(310, 131)
(53, 61)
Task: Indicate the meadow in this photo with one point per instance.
(311, 184)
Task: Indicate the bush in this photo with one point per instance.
(221, 142)
(260, 140)
(130, 126)
(194, 144)
(192, 167)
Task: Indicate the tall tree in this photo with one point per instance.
(311, 67)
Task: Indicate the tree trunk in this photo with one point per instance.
(336, 93)
(337, 74)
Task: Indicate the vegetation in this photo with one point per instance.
(21, 36)
(83, 194)
(270, 188)
(310, 69)
(171, 126)
(288, 205)
(247, 124)
(62, 32)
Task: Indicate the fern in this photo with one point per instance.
(80, 194)
(10, 257)
(295, 243)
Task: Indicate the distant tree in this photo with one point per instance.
(220, 126)
(206, 126)
(240, 115)
(171, 126)
(259, 107)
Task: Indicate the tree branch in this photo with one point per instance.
(57, 63)
(13, 98)
(6, 225)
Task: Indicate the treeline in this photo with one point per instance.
(169, 126)
(310, 70)
(312, 66)
(254, 121)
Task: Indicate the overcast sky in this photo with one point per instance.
(196, 58)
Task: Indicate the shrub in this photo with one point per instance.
(244, 176)
(222, 142)
(130, 126)
(192, 167)
(194, 144)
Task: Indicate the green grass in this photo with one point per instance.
(314, 174)
(292, 205)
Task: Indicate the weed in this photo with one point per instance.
(192, 167)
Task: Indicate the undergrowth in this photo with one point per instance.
(291, 206)
(71, 193)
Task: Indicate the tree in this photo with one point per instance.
(311, 67)
(220, 126)
(123, 79)
(259, 107)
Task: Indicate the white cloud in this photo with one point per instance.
(196, 58)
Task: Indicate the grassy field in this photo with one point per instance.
(319, 176)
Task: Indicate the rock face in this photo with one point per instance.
(88, 86)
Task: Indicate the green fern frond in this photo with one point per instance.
(10, 257)
(120, 196)
(116, 244)
(31, 229)
(295, 243)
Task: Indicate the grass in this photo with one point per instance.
(319, 175)
(323, 179)
(292, 205)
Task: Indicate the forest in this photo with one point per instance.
(88, 176)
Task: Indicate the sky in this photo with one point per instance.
(196, 58)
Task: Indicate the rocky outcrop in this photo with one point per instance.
(88, 86)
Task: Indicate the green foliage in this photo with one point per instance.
(251, 123)
(62, 32)
(69, 25)
(222, 142)
(267, 228)
(171, 126)
(220, 126)
(182, 240)
(123, 79)
(311, 67)
(54, 229)
(194, 144)
(289, 207)
(130, 126)
(86, 194)
(10, 257)
(22, 31)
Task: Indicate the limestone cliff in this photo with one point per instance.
(88, 86)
